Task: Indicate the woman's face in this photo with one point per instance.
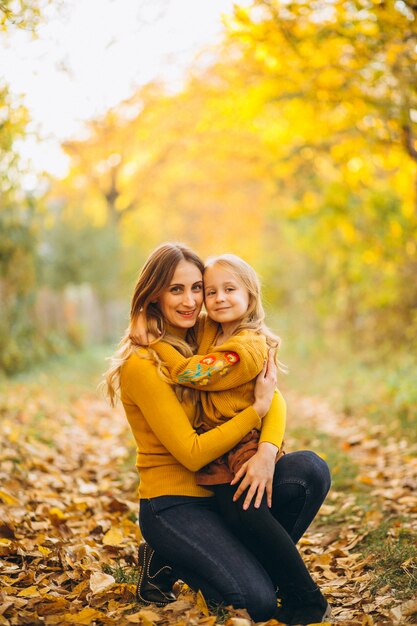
(181, 301)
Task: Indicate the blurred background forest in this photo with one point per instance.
(292, 143)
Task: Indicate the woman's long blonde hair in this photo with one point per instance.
(254, 319)
(155, 276)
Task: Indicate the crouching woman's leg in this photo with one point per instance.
(301, 483)
(189, 533)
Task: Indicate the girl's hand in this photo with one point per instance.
(256, 475)
(142, 335)
(265, 386)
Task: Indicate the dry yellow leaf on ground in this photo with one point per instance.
(8, 498)
(202, 605)
(99, 582)
(53, 606)
(85, 616)
(29, 592)
(238, 621)
(56, 515)
(150, 615)
(113, 537)
(145, 617)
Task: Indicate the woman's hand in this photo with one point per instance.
(265, 386)
(257, 475)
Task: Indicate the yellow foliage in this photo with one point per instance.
(292, 140)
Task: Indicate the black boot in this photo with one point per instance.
(300, 608)
(156, 578)
(285, 610)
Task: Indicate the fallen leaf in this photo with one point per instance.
(238, 621)
(53, 606)
(85, 616)
(133, 618)
(29, 592)
(150, 615)
(202, 605)
(99, 582)
(179, 606)
(145, 617)
(408, 608)
(8, 498)
(113, 537)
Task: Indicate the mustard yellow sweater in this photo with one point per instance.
(169, 449)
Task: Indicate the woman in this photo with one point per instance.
(177, 517)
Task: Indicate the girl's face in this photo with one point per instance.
(226, 298)
(181, 301)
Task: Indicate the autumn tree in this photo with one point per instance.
(20, 343)
(340, 87)
(165, 166)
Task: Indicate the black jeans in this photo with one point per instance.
(229, 568)
(267, 539)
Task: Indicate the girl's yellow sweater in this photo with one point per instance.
(169, 449)
(225, 374)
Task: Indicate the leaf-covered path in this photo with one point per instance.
(68, 530)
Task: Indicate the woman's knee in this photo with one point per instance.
(319, 472)
(308, 469)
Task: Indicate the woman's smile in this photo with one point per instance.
(182, 300)
(187, 314)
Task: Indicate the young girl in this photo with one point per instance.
(233, 345)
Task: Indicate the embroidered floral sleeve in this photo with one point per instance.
(234, 363)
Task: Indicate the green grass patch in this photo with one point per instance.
(221, 612)
(395, 558)
(122, 573)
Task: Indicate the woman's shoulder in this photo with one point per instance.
(139, 362)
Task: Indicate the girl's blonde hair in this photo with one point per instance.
(155, 276)
(254, 319)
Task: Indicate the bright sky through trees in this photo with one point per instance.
(91, 54)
